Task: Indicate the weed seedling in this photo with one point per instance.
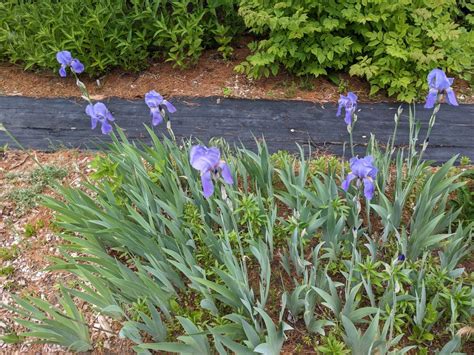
(31, 229)
(226, 91)
(8, 253)
(7, 271)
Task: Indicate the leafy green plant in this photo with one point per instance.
(31, 229)
(226, 91)
(392, 45)
(333, 346)
(109, 33)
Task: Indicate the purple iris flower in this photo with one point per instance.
(208, 162)
(439, 83)
(99, 113)
(401, 257)
(66, 60)
(362, 169)
(157, 106)
(349, 103)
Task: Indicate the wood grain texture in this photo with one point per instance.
(49, 124)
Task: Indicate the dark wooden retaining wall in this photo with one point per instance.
(49, 124)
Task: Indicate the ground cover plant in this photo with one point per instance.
(184, 248)
(393, 45)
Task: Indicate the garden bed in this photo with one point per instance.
(172, 246)
(211, 76)
(235, 215)
(38, 233)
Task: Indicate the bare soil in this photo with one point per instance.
(212, 76)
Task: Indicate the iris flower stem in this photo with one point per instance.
(351, 142)
(83, 89)
(350, 128)
(395, 129)
(351, 270)
(430, 127)
(170, 130)
(367, 210)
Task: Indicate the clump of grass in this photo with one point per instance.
(464, 161)
(47, 175)
(25, 198)
(3, 150)
(10, 285)
(12, 176)
(306, 83)
(7, 254)
(7, 271)
(31, 229)
(290, 89)
(28, 197)
(326, 164)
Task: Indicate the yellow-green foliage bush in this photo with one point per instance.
(393, 44)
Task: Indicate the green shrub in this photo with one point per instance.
(114, 33)
(393, 44)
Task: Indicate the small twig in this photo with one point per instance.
(20, 163)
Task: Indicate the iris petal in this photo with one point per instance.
(76, 66)
(431, 98)
(64, 57)
(347, 181)
(94, 121)
(62, 71)
(106, 127)
(348, 117)
(203, 158)
(352, 97)
(153, 99)
(207, 185)
(169, 106)
(226, 174)
(451, 96)
(156, 117)
(100, 109)
(369, 188)
(90, 110)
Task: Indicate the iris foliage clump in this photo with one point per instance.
(196, 250)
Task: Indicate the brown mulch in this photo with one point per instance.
(212, 76)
